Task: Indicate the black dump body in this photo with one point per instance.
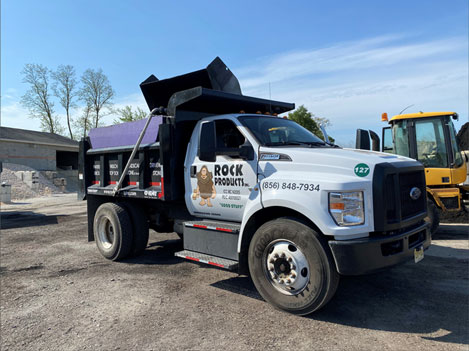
(157, 171)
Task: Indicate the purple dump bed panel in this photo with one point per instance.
(125, 134)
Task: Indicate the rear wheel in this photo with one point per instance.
(112, 231)
(292, 267)
(140, 229)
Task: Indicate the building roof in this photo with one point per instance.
(34, 137)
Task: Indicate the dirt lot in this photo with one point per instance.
(58, 293)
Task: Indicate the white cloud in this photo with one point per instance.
(353, 83)
(15, 116)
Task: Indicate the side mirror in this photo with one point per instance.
(362, 140)
(207, 142)
(246, 152)
(374, 141)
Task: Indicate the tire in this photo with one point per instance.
(112, 230)
(433, 216)
(307, 270)
(140, 229)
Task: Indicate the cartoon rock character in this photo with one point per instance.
(205, 187)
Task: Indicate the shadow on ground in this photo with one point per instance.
(161, 252)
(22, 219)
(452, 232)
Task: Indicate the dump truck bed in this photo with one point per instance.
(145, 178)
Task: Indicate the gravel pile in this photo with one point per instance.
(20, 190)
(463, 137)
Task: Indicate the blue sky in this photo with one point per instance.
(348, 61)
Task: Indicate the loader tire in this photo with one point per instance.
(433, 217)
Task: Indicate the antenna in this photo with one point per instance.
(406, 108)
(270, 99)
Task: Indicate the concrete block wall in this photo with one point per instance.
(71, 179)
(31, 178)
(39, 157)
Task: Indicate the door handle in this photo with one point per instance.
(193, 171)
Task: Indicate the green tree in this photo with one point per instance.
(309, 121)
(126, 114)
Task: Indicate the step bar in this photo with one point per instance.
(207, 259)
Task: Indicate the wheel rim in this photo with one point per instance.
(106, 233)
(286, 267)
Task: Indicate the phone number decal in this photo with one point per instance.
(290, 186)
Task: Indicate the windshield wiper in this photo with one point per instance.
(307, 143)
(283, 143)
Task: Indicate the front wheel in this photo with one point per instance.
(292, 267)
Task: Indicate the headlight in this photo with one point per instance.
(347, 208)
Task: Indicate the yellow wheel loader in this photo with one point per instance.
(430, 138)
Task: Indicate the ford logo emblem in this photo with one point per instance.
(415, 193)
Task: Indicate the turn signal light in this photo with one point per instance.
(337, 206)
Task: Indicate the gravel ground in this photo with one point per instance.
(58, 293)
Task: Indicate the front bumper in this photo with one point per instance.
(361, 256)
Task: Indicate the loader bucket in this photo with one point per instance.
(215, 76)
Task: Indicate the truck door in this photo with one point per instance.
(221, 173)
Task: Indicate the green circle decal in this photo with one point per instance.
(362, 170)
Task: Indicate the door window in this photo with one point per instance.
(387, 140)
(457, 157)
(228, 137)
(431, 148)
(401, 138)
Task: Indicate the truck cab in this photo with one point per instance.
(248, 190)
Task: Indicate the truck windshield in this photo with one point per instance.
(275, 131)
(431, 147)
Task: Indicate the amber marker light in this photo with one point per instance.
(384, 117)
(337, 206)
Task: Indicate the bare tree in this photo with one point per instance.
(65, 90)
(96, 92)
(37, 98)
(83, 123)
(127, 114)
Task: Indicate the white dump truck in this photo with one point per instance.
(249, 191)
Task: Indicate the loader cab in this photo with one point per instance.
(431, 139)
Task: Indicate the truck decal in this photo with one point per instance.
(229, 175)
(362, 170)
(290, 186)
(205, 187)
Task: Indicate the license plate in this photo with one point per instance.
(418, 254)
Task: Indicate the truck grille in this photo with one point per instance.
(409, 206)
(393, 183)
